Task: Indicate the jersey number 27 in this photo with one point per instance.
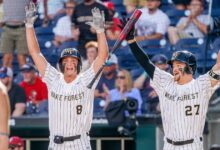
(190, 109)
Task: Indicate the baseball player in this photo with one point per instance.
(4, 117)
(70, 101)
(183, 99)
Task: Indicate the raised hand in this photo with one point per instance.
(31, 16)
(98, 21)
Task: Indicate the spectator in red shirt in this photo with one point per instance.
(35, 88)
(113, 29)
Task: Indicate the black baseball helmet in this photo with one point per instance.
(185, 57)
(72, 52)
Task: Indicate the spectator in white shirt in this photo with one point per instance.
(193, 26)
(49, 9)
(153, 22)
(63, 31)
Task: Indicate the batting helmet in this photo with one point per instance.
(185, 57)
(72, 52)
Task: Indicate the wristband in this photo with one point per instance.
(214, 75)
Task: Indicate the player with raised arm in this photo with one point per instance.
(70, 101)
(183, 99)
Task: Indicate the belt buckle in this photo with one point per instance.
(58, 139)
(173, 143)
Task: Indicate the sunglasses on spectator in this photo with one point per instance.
(120, 77)
(69, 7)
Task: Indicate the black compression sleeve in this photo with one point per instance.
(143, 59)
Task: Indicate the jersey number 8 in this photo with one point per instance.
(79, 109)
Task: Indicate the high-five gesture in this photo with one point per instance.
(30, 14)
(98, 21)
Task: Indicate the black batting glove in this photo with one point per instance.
(130, 35)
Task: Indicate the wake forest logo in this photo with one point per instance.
(191, 96)
(78, 96)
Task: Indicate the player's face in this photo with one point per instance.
(70, 66)
(178, 70)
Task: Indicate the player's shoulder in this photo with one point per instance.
(161, 72)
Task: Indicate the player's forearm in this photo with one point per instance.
(4, 142)
(32, 42)
(102, 46)
(143, 59)
(4, 113)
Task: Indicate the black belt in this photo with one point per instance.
(181, 142)
(60, 139)
(15, 26)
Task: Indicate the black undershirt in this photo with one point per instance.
(143, 59)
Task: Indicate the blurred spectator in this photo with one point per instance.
(1, 12)
(62, 30)
(35, 89)
(49, 9)
(4, 117)
(123, 89)
(82, 14)
(181, 4)
(15, 92)
(16, 143)
(149, 95)
(91, 54)
(108, 77)
(131, 5)
(113, 30)
(153, 22)
(193, 26)
(13, 34)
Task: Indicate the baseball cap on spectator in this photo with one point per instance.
(113, 60)
(27, 68)
(159, 59)
(109, 5)
(16, 141)
(6, 72)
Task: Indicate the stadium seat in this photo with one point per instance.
(195, 45)
(67, 44)
(152, 47)
(175, 15)
(117, 2)
(44, 30)
(216, 45)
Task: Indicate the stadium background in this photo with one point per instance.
(148, 134)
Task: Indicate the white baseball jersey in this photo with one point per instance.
(183, 108)
(70, 108)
